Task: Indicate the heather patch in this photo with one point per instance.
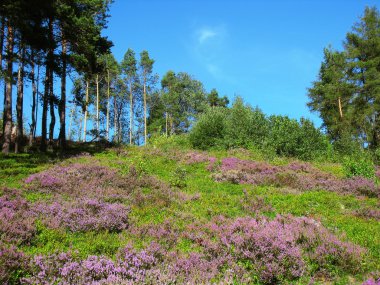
(17, 222)
(371, 281)
(84, 215)
(90, 181)
(285, 248)
(294, 175)
(241, 249)
(13, 264)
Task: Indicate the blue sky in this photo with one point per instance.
(267, 52)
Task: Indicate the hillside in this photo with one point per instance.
(167, 214)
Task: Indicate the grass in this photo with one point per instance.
(333, 210)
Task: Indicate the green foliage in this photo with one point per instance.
(345, 93)
(210, 129)
(179, 177)
(359, 166)
(290, 138)
(243, 126)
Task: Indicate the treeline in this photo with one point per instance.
(126, 105)
(46, 40)
(44, 43)
(347, 91)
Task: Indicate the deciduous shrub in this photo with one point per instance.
(210, 129)
(244, 126)
(359, 166)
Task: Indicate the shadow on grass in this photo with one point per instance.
(15, 167)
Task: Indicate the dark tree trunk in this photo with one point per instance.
(48, 86)
(44, 109)
(34, 93)
(20, 101)
(115, 119)
(62, 102)
(52, 110)
(2, 36)
(37, 99)
(8, 93)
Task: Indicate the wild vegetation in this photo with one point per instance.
(176, 186)
(185, 216)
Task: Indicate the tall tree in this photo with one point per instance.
(347, 91)
(20, 99)
(129, 70)
(8, 91)
(146, 65)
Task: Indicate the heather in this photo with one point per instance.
(166, 214)
(301, 176)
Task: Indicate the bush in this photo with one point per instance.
(210, 129)
(355, 166)
(244, 126)
(296, 139)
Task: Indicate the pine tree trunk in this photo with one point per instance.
(52, 110)
(8, 94)
(70, 122)
(115, 119)
(131, 113)
(37, 96)
(145, 130)
(20, 101)
(97, 106)
(85, 113)
(340, 108)
(48, 89)
(34, 91)
(108, 105)
(166, 121)
(2, 36)
(62, 102)
(44, 109)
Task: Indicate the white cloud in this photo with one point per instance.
(205, 34)
(209, 46)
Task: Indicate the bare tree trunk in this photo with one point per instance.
(44, 109)
(115, 119)
(166, 120)
(2, 36)
(340, 107)
(120, 133)
(62, 102)
(37, 95)
(70, 122)
(34, 91)
(145, 130)
(108, 105)
(97, 105)
(85, 113)
(52, 110)
(48, 89)
(8, 93)
(131, 113)
(20, 101)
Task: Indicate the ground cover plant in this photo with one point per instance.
(171, 215)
